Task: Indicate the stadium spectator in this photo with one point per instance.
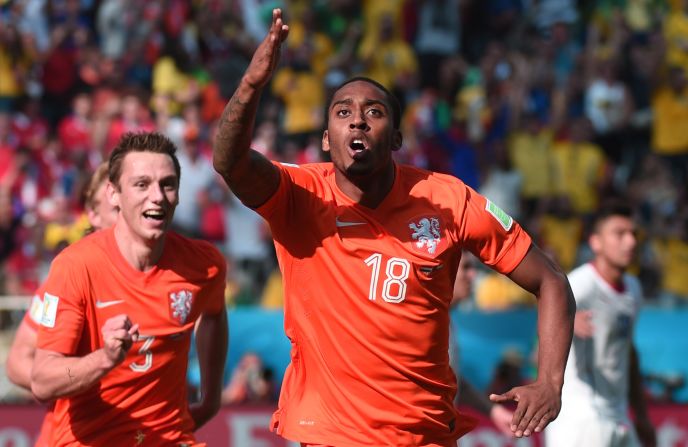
(602, 374)
(357, 217)
(251, 382)
(579, 169)
(670, 136)
(119, 307)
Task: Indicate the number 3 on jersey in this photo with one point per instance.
(396, 273)
(145, 351)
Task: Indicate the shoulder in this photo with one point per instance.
(86, 250)
(581, 273)
(201, 250)
(195, 257)
(422, 180)
(305, 173)
(582, 280)
(633, 287)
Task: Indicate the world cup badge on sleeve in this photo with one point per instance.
(180, 305)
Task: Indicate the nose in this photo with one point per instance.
(358, 121)
(156, 194)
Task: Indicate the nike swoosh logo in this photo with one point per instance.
(104, 304)
(341, 224)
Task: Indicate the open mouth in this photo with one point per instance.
(157, 215)
(358, 148)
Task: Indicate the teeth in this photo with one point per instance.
(154, 214)
(357, 144)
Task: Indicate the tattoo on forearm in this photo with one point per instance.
(70, 375)
(232, 130)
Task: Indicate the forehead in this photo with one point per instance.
(361, 91)
(147, 163)
(616, 223)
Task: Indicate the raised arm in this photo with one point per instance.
(56, 375)
(211, 344)
(540, 402)
(252, 177)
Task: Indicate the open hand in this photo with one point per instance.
(582, 324)
(501, 417)
(267, 54)
(538, 404)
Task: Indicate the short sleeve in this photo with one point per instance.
(34, 313)
(276, 211)
(491, 234)
(62, 319)
(582, 284)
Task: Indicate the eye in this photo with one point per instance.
(342, 113)
(375, 112)
(140, 185)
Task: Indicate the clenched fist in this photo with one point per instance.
(118, 335)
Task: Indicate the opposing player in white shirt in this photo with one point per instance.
(602, 375)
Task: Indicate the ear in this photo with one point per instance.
(94, 218)
(397, 140)
(594, 242)
(325, 142)
(112, 194)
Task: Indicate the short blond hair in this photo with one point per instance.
(99, 177)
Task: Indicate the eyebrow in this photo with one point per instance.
(368, 102)
(148, 178)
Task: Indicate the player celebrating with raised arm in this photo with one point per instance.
(119, 309)
(369, 250)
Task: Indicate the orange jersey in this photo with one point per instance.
(46, 428)
(142, 401)
(367, 295)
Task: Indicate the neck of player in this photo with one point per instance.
(368, 189)
(611, 273)
(141, 254)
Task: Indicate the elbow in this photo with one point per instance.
(42, 387)
(41, 391)
(19, 369)
(13, 373)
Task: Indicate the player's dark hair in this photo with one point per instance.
(392, 100)
(611, 208)
(140, 142)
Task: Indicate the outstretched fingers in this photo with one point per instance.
(278, 30)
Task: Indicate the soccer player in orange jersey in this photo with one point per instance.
(369, 250)
(119, 309)
(101, 214)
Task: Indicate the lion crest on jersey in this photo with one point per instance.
(426, 233)
(180, 305)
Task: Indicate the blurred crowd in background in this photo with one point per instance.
(546, 107)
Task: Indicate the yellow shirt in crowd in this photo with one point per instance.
(669, 129)
(531, 155)
(578, 170)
